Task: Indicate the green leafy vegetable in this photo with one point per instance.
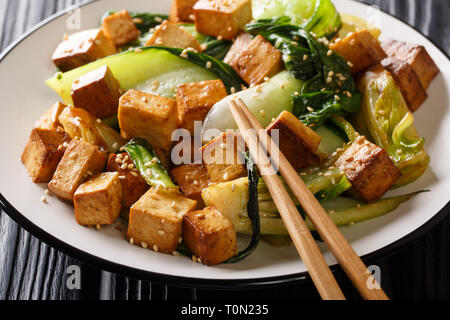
(223, 71)
(329, 88)
(142, 20)
(252, 211)
(385, 119)
(317, 16)
(148, 164)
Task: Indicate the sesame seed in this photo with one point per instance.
(123, 166)
(232, 89)
(329, 53)
(60, 147)
(219, 37)
(122, 177)
(358, 206)
(173, 204)
(352, 42)
(43, 199)
(155, 248)
(331, 73)
(209, 65)
(175, 253)
(161, 232)
(305, 57)
(144, 245)
(191, 17)
(199, 260)
(137, 50)
(195, 182)
(296, 93)
(194, 258)
(263, 113)
(158, 19)
(329, 80)
(233, 187)
(310, 109)
(98, 226)
(225, 176)
(350, 64)
(131, 240)
(134, 174)
(337, 97)
(266, 79)
(333, 181)
(294, 43)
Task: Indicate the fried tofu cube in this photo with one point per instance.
(81, 160)
(98, 92)
(182, 11)
(151, 117)
(192, 179)
(168, 34)
(408, 82)
(369, 169)
(361, 49)
(81, 48)
(156, 219)
(259, 60)
(195, 99)
(133, 184)
(223, 157)
(241, 43)
(210, 236)
(44, 150)
(296, 141)
(49, 120)
(222, 18)
(416, 56)
(98, 201)
(120, 28)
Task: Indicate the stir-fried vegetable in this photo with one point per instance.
(252, 211)
(142, 20)
(317, 16)
(330, 88)
(80, 123)
(265, 101)
(148, 164)
(385, 118)
(138, 69)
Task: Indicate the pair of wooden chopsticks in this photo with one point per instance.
(307, 248)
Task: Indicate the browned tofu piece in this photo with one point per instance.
(407, 80)
(259, 60)
(151, 117)
(210, 236)
(241, 43)
(222, 18)
(416, 56)
(44, 150)
(81, 160)
(156, 219)
(182, 11)
(369, 169)
(98, 92)
(192, 179)
(195, 99)
(297, 142)
(223, 157)
(81, 48)
(98, 201)
(168, 34)
(133, 184)
(49, 120)
(120, 28)
(361, 49)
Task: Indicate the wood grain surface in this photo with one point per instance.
(29, 269)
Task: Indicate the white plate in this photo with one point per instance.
(26, 65)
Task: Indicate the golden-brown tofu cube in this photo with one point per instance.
(407, 80)
(133, 184)
(223, 158)
(361, 49)
(182, 11)
(81, 160)
(156, 219)
(120, 28)
(192, 179)
(168, 34)
(98, 201)
(81, 48)
(151, 117)
(259, 60)
(98, 92)
(44, 150)
(369, 169)
(241, 43)
(195, 99)
(297, 142)
(210, 236)
(222, 18)
(416, 56)
(49, 120)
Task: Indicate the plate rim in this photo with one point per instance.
(190, 282)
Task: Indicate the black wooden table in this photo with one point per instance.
(29, 269)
